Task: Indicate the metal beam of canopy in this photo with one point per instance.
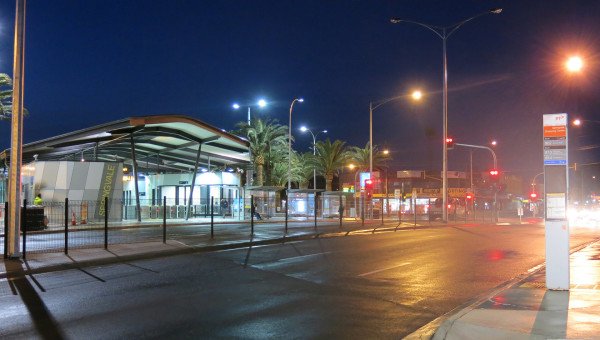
(189, 203)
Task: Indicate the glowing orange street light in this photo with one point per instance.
(574, 64)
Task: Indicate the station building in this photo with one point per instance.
(141, 164)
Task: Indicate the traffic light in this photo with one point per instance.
(533, 195)
(369, 188)
(469, 196)
(450, 142)
(494, 173)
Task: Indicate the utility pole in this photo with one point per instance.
(16, 148)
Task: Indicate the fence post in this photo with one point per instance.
(252, 211)
(341, 209)
(415, 211)
(316, 202)
(287, 199)
(362, 209)
(24, 227)
(381, 211)
(105, 222)
(400, 212)
(5, 230)
(66, 225)
(429, 210)
(212, 216)
(165, 219)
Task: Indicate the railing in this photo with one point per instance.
(60, 226)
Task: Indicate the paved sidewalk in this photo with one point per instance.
(524, 309)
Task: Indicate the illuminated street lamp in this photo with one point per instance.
(290, 146)
(261, 103)
(444, 33)
(416, 95)
(574, 64)
(314, 136)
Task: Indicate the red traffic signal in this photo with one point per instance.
(533, 195)
(449, 142)
(369, 187)
(469, 196)
(494, 172)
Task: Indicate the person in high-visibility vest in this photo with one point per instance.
(38, 200)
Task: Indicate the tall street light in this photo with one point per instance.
(304, 129)
(416, 95)
(444, 33)
(290, 146)
(260, 103)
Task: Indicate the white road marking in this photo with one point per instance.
(384, 269)
(302, 256)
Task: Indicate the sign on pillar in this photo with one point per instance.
(556, 184)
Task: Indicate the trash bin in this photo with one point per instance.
(34, 220)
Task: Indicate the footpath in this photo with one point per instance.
(521, 308)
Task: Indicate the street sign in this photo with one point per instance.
(555, 139)
(556, 188)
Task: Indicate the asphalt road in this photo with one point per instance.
(383, 285)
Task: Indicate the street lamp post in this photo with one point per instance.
(304, 129)
(416, 95)
(260, 103)
(444, 33)
(290, 147)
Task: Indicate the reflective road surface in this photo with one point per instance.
(374, 286)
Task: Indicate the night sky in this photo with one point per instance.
(91, 62)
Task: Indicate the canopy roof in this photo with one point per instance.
(163, 143)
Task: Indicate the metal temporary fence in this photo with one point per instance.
(224, 207)
(67, 225)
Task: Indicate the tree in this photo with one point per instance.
(330, 158)
(6, 96)
(268, 141)
(361, 157)
(302, 169)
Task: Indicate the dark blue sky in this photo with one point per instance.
(90, 62)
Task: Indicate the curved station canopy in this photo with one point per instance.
(158, 144)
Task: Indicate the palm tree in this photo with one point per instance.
(267, 140)
(6, 97)
(302, 169)
(361, 157)
(330, 158)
